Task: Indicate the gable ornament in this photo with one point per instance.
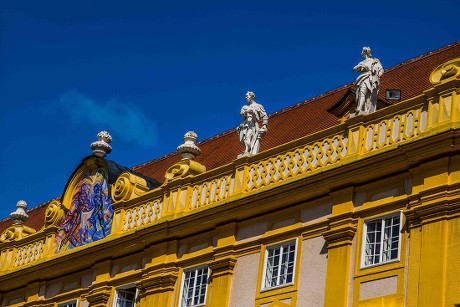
(18, 230)
(187, 166)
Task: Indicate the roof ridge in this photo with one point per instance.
(422, 56)
(312, 99)
(176, 153)
(154, 160)
(216, 136)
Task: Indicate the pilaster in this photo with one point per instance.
(158, 281)
(156, 287)
(101, 290)
(413, 226)
(339, 237)
(433, 221)
(222, 266)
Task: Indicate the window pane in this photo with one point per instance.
(194, 287)
(126, 297)
(381, 240)
(279, 269)
(272, 271)
(372, 248)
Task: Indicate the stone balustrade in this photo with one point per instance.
(360, 137)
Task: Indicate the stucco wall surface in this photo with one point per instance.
(312, 278)
(244, 283)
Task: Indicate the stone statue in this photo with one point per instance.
(249, 130)
(368, 82)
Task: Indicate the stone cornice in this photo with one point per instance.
(439, 203)
(340, 236)
(158, 279)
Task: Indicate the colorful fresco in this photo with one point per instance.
(90, 214)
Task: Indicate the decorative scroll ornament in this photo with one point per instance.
(128, 186)
(101, 147)
(187, 166)
(54, 214)
(18, 230)
(447, 71)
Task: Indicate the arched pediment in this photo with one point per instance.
(89, 196)
(88, 204)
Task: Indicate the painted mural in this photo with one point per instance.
(90, 213)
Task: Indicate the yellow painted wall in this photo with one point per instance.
(405, 158)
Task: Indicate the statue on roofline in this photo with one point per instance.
(368, 82)
(249, 131)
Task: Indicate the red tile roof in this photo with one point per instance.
(36, 218)
(309, 116)
(304, 118)
(412, 77)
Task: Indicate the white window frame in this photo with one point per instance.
(184, 273)
(282, 246)
(124, 288)
(69, 304)
(382, 220)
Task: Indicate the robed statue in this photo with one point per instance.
(368, 82)
(254, 126)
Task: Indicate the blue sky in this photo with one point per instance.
(149, 71)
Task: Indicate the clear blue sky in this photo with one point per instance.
(149, 71)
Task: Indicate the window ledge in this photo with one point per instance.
(379, 268)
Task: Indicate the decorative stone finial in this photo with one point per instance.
(250, 131)
(18, 230)
(368, 82)
(101, 147)
(19, 216)
(187, 166)
(189, 150)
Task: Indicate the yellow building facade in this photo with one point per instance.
(364, 213)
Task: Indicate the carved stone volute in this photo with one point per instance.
(128, 186)
(54, 214)
(187, 166)
(447, 71)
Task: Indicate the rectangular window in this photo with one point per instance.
(125, 297)
(279, 265)
(69, 304)
(381, 242)
(194, 285)
(393, 94)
